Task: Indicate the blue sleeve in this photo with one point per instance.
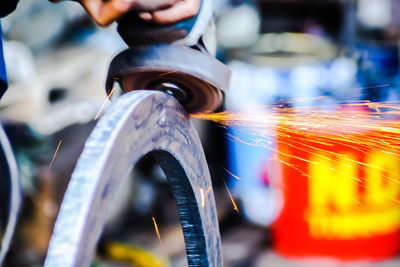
(3, 75)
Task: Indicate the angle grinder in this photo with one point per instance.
(173, 58)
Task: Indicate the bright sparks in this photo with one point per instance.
(167, 73)
(361, 126)
(234, 176)
(102, 106)
(156, 228)
(55, 154)
(230, 196)
(203, 198)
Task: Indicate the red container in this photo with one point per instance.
(342, 199)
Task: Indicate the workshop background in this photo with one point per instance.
(290, 53)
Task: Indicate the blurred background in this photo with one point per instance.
(279, 51)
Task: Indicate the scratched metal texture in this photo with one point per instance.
(138, 123)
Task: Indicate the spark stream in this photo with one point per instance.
(352, 153)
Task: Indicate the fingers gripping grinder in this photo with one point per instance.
(176, 59)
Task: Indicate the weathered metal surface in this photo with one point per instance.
(139, 123)
(10, 193)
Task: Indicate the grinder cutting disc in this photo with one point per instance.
(195, 78)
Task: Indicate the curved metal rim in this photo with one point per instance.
(15, 194)
(139, 123)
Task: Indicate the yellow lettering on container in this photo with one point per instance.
(332, 184)
(338, 209)
(382, 180)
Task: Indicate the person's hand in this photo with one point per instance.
(175, 11)
(105, 12)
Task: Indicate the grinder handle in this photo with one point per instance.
(136, 31)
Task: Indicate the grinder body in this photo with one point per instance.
(172, 58)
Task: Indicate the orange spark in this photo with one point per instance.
(156, 228)
(230, 196)
(55, 154)
(102, 106)
(166, 73)
(203, 199)
(362, 126)
(208, 190)
(231, 174)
